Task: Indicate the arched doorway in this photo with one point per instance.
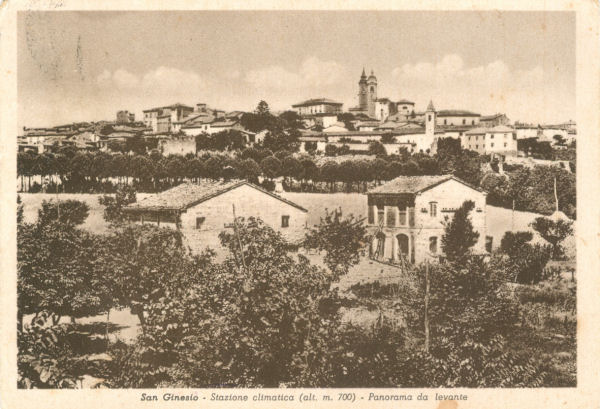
(403, 247)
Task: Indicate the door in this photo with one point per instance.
(403, 248)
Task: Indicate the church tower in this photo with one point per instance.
(430, 120)
(362, 92)
(371, 94)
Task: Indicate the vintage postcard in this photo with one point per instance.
(318, 204)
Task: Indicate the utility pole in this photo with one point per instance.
(237, 234)
(426, 307)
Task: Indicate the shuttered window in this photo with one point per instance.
(391, 217)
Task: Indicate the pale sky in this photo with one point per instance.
(85, 66)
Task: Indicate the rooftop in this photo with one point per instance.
(415, 184)
(173, 106)
(501, 128)
(317, 101)
(456, 112)
(490, 117)
(186, 195)
(405, 101)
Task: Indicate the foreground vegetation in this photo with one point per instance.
(267, 317)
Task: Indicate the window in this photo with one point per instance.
(464, 121)
(433, 244)
(505, 144)
(476, 146)
(473, 122)
(285, 221)
(429, 118)
(402, 215)
(380, 213)
(371, 214)
(492, 144)
(433, 209)
(200, 222)
(391, 217)
(492, 136)
(445, 122)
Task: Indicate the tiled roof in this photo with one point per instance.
(490, 117)
(317, 101)
(456, 112)
(501, 128)
(405, 101)
(415, 184)
(477, 131)
(222, 124)
(186, 195)
(367, 123)
(172, 106)
(199, 121)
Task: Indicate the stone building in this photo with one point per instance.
(202, 210)
(406, 216)
(317, 106)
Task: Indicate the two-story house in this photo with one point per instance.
(406, 216)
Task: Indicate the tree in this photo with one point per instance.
(262, 108)
(57, 272)
(257, 322)
(554, 232)
(377, 148)
(526, 262)
(292, 119)
(143, 262)
(291, 168)
(459, 235)
(342, 238)
(470, 322)
(71, 212)
(271, 167)
(113, 206)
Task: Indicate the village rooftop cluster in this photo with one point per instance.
(324, 122)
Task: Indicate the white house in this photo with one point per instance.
(500, 139)
(317, 106)
(406, 216)
(202, 210)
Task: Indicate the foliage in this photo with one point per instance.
(44, 359)
(459, 235)
(526, 261)
(271, 167)
(470, 323)
(225, 140)
(144, 261)
(240, 323)
(57, 271)
(71, 212)
(342, 239)
(113, 206)
(377, 148)
(554, 232)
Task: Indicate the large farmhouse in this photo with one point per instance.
(406, 216)
(202, 210)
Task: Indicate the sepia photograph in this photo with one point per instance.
(244, 199)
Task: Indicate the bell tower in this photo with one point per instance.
(371, 94)
(430, 120)
(362, 92)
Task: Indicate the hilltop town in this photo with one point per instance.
(317, 246)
